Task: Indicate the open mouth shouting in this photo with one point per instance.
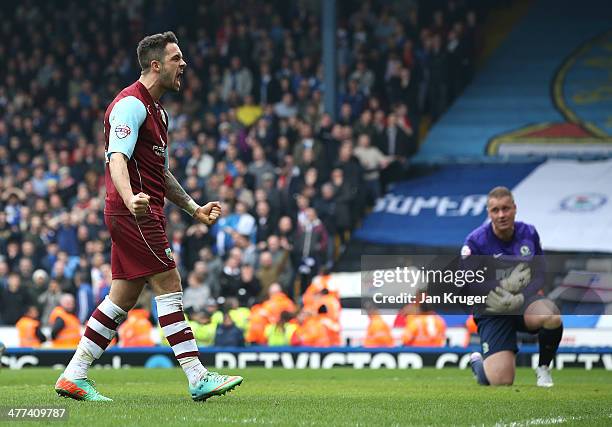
(179, 78)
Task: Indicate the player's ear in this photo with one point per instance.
(155, 65)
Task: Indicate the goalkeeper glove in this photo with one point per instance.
(500, 300)
(518, 279)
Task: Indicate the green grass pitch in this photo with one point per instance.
(338, 397)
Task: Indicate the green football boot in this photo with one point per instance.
(84, 389)
(214, 384)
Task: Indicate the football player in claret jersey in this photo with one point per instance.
(137, 181)
(513, 303)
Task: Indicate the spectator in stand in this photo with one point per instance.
(4, 272)
(230, 278)
(280, 333)
(49, 299)
(399, 146)
(197, 292)
(203, 329)
(266, 223)
(250, 286)
(237, 80)
(40, 281)
(344, 198)
(372, 160)
(311, 247)
(14, 300)
(228, 334)
(84, 297)
(285, 108)
(267, 89)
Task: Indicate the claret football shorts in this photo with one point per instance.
(140, 246)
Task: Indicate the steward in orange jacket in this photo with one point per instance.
(65, 326)
(327, 299)
(316, 330)
(258, 320)
(424, 330)
(28, 328)
(277, 303)
(136, 330)
(378, 333)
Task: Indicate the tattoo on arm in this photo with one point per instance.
(175, 193)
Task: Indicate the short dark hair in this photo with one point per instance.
(152, 48)
(499, 192)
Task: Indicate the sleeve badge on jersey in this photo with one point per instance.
(465, 251)
(122, 131)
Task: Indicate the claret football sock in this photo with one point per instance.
(549, 340)
(179, 335)
(101, 329)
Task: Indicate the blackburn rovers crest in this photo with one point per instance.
(581, 91)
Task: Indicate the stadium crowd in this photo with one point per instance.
(248, 128)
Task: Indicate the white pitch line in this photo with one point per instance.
(548, 421)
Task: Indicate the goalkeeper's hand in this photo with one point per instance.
(518, 279)
(500, 300)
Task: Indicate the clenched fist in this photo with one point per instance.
(209, 213)
(139, 204)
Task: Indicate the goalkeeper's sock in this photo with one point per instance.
(549, 340)
(477, 365)
(101, 329)
(179, 335)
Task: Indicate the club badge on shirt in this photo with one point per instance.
(122, 131)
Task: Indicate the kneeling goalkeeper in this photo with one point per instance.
(513, 304)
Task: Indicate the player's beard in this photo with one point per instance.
(171, 80)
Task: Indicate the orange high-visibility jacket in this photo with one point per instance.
(70, 335)
(26, 327)
(312, 332)
(136, 330)
(258, 320)
(378, 333)
(330, 301)
(276, 304)
(424, 330)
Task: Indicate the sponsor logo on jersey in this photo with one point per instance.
(586, 202)
(525, 250)
(465, 251)
(160, 151)
(122, 131)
